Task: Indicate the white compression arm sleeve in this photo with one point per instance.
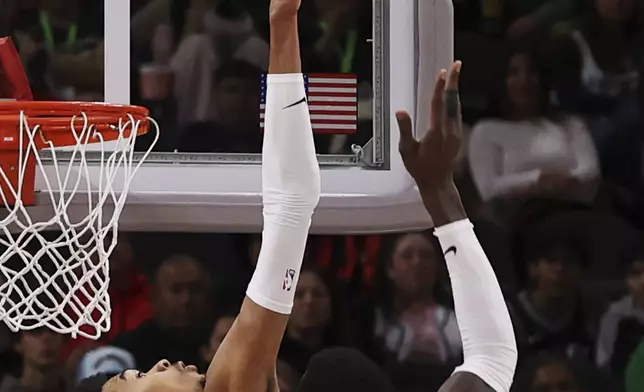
(291, 190)
(489, 346)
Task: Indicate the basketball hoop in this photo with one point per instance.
(60, 281)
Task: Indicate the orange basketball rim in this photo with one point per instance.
(27, 126)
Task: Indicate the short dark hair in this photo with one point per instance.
(177, 257)
(238, 69)
(343, 369)
(543, 241)
(500, 106)
(94, 383)
(529, 367)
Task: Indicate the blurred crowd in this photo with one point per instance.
(552, 177)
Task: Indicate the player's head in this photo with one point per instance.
(163, 377)
(343, 370)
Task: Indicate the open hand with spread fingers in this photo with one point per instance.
(431, 159)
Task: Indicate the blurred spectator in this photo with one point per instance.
(181, 323)
(9, 359)
(287, 378)
(598, 68)
(353, 262)
(214, 33)
(130, 300)
(222, 324)
(236, 102)
(335, 37)
(548, 373)
(529, 150)
(310, 326)
(253, 249)
(42, 370)
(129, 293)
(634, 377)
(622, 326)
(63, 39)
(548, 315)
(413, 324)
(531, 17)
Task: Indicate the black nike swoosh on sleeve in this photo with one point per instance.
(450, 249)
(301, 101)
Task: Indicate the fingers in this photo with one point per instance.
(405, 127)
(438, 103)
(453, 124)
(454, 75)
(452, 101)
(445, 93)
(407, 140)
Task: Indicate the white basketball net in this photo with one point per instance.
(60, 281)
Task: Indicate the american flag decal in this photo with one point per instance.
(333, 102)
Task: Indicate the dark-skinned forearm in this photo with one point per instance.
(443, 204)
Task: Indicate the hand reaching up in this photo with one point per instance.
(431, 160)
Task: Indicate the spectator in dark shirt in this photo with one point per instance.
(548, 313)
(236, 100)
(181, 324)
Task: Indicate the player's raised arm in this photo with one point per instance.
(291, 190)
(489, 346)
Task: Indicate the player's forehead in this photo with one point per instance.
(118, 383)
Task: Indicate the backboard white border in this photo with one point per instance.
(227, 197)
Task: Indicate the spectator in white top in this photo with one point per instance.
(528, 150)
